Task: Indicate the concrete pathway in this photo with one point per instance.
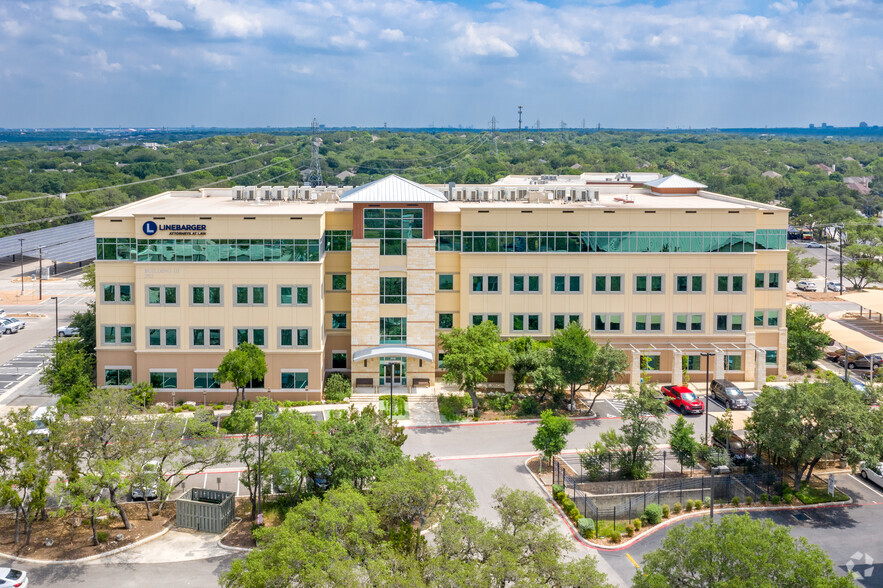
(175, 546)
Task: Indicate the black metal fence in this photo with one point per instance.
(625, 506)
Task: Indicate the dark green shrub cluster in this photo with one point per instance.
(665, 511)
(586, 527)
(653, 512)
(337, 388)
(637, 524)
(676, 507)
(630, 530)
(529, 406)
(451, 406)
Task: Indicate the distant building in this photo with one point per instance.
(771, 174)
(154, 146)
(860, 184)
(828, 170)
(812, 126)
(863, 125)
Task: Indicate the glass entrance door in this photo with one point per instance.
(399, 367)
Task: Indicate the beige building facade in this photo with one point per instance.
(361, 281)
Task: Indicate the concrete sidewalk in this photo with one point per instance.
(175, 546)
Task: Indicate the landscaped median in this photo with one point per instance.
(614, 534)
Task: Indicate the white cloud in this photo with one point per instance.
(301, 70)
(226, 20)
(100, 61)
(785, 6)
(484, 40)
(219, 60)
(161, 20)
(67, 12)
(394, 35)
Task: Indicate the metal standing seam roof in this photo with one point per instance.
(675, 181)
(67, 243)
(393, 189)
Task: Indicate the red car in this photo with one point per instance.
(683, 399)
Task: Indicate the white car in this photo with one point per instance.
(806, 285)
(814, 245)
(868, 473)
(68, 331)
(8, 326)
(834, 286)
(148, 491)
(12, 578)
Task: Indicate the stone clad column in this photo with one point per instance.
(635, 374)
(719, 365)
(759, 368)
(677, 368)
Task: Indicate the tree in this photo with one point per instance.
(360, 444)
(682, 440)
(68, 373)
(527, 355)
(572, 353)
(634, 446)
(799, 265)
(25, 469)
(863, 270)
(85, 322)
(606, 364)
(472, 354)
(547, 379)
(806, 339)
(804, 422)
(722, 427)
(240, 367)
(337, 388)
(296, 448)
(737, 551)
(593, 460)
(244, 418)
(551, 435)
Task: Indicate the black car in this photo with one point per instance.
(739, 451)
(728, 394)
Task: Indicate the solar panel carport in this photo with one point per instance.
(73, 243)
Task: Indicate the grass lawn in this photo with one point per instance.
(810, 495)
(399, 403)
(605, 528)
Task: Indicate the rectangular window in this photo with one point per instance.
(154, 295)
(198, 338)
(607, 283)
(489, 284)
(250, 295)
(164, 380)
(526, 322)
(696, 323)
(112, 293)
(759, 279)
(286, 337)
(526, 284)
(170, 295)
(571, 284)
(650, 363)
(729, 322)
(477, 319)
(772, 357)
(446, 320)
(110, 335)
(294, 380)
(766, 280)
(197, 295)
(126, 335)
(694, 362)
(241, 336)
(685, 284)
(517, 322)
(730, 283)
(299, 295)
(338, 320)
(303, 337)
(205, 380)
(772, 318)
(733, 363)
(393, 290)
(162, 337)
(205, 337)
(446, 282)
(254, 336)
(393, 330)
(758, 318)
(560, 321)
(393, 226)
(607, 322)
(338, 360)
(118, 376)
(478, 283)
(214, 337)
(493, 283)
(648, 284)
(338, 282)
(518, 283)
(648, 322)
(772, 280)
(258, 337)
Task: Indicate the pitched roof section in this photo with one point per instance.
(393, 189)
(675, 181)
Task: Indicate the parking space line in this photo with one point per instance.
(204, 480)
(613, 407)
(868, 485)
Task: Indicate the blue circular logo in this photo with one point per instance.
(149, 228)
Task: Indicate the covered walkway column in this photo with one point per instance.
(719, 364)
(635, 373)
(759, 368)
(677, 367)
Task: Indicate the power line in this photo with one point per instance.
(464, 151)
(314, 178)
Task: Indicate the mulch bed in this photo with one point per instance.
(240, 532)
(58, 529)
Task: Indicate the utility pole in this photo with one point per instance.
(519, 123)
(21, 254)
(494, 136)
(840, 230)
(40, 274)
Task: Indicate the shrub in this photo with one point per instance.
(676, 507)
(501, 402)
(735, 501)
(689, 507)
(653, 512)
(665, 511)
(644, 520)
(776, 499)
(451, 406)
(337, 388)
(529, 406)
(556, 490)
(567, 504)
(788, 499)
(630, 530)
(574, 515)
(749, 500)
(586, 527)
(637, 524)
(764, 498)
(706, 502)
(218, 406)
(102, 536)
(615, 537)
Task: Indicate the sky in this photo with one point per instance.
(417, 63)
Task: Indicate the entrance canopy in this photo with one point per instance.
(392, 351)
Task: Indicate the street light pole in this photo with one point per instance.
(56, 315)
(840, 230)
(21, 255)
(259, 418)
(707, 356)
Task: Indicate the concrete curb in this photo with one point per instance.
(670, 521)
(509, 422)
(91, 557)
(231, 547)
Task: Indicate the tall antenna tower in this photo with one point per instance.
(314, 177)
(494, 136)
(538, 125)
(519, 123)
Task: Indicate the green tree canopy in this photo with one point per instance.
(606, 364)
(682, 440)
(241, 366)
(634, 445)
(738, 552)
(68, 373)
(799, 265)
(806, 339)
(572, 353)
(551, 435)
(472, 354)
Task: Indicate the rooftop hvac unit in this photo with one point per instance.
(278, 193)
(250, 192)
(597, 196)
(450, 192)
(291, 193)
(238, 192)
(266, 193)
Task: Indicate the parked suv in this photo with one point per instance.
(806, 285)
(683, 399)
(728, 394)
(739, 451)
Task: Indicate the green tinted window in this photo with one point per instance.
(446, 282)
(338, 320)
(445, 320)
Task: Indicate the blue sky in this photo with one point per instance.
(626, 63)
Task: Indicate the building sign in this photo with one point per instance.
(151, 228)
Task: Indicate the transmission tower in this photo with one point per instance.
(314, 177)
(493, 145)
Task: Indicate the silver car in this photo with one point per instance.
(8, 326)
(10, 577)
(872, 474)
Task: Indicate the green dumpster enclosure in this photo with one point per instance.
(205, 510)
